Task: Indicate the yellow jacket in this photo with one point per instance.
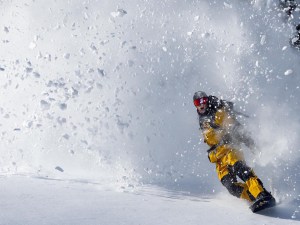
(216, 133)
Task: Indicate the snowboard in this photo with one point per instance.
(262, 204)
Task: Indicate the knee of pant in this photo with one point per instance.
(243, 171)
(232, 186)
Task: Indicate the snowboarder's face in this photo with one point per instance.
(202, 108)
(201, 104)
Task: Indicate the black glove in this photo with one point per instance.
(212, 148)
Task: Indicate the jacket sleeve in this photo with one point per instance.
(225, 120)
(217, 138)
(223, 123)
(212, 136)
(218, 152)
(212, 156)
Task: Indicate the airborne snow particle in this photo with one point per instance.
(94, 48)
(28, 123)
(74, 92)
(59, 169)
(36, 75)
(6, 29)
(28, 70)
(130, 63)
(45, 105)
(118, 13)
(288, 72)
(205, 35)
(62, 106)
(61, 120)
(67, 55)
(66, 136)
(227, 5)
(32, 45)
(101, 72)
(263, 40)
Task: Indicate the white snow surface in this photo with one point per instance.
(97, 121)
(38, 200)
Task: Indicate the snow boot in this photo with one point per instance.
(264, 200)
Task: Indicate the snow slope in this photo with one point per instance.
(101, 91)
(46, 201)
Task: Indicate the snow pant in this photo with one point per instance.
(231, 166)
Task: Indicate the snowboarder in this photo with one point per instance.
(224, 134)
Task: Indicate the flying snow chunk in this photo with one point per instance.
(263, 40)
(66, 136)
(227, 5)
(45, 105)
(32, 45)
(28, 123)
(66, 55)
(36, 75)
(63, 106)
(205, 35)
(118, 13)
(6, 29)
(74, 92)
(101, 72)
(94, 48)
(28, 70)
(284, 48)
(59, 169)
(130, 63)
(288, 72)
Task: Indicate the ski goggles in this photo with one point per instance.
(200, 101)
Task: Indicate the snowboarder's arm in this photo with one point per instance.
(224, 119)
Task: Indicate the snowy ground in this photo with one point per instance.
(29, 200)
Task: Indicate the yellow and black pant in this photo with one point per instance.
(230, 165)
(239, 189)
